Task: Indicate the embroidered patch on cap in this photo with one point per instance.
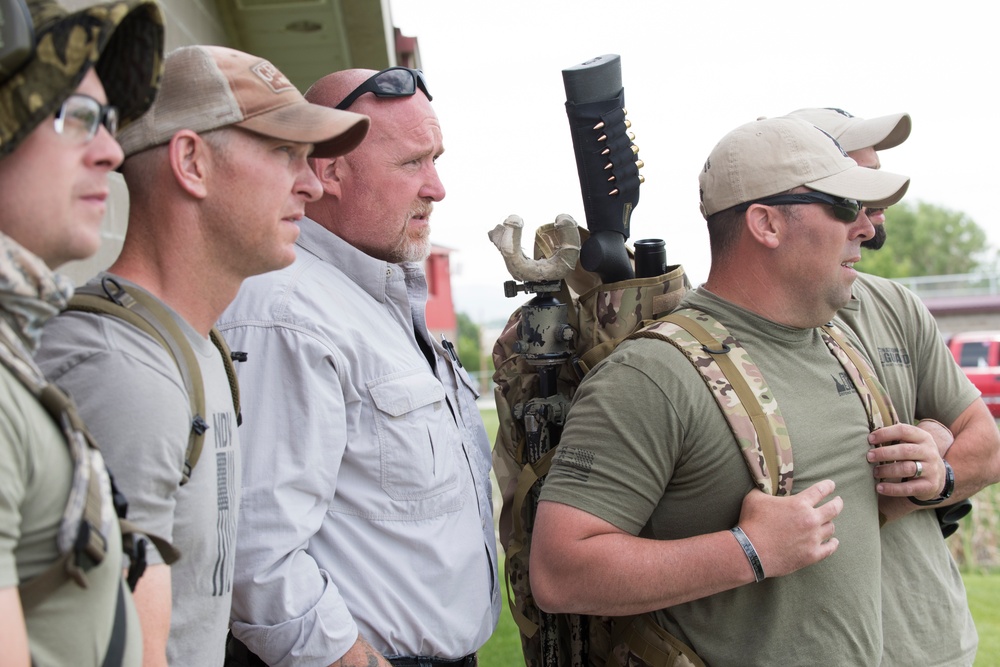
(272, 76)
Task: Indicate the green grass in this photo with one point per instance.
(504, 647)
(984, 600)
(492, 421)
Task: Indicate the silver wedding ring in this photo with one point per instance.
(920, 470)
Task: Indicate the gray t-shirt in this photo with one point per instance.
(132, 398)
(646, 448)
(915, 366)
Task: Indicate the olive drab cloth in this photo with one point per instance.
(740, 390)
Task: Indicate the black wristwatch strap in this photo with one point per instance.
(949, 488)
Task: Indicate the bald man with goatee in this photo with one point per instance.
(366, 530)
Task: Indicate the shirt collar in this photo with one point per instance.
(372, 275)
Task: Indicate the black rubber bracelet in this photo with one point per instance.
(751, 552)
(949, 488)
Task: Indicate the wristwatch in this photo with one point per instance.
(949, 488)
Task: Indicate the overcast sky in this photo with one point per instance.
(692, 71)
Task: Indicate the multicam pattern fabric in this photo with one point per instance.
(609, 313)
(30, 294)
(601, 316)
(639, 642)
(741, 392)
(123, 40)
(604, 314)
(873, 395)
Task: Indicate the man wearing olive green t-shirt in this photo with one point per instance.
(649, 507)
(925, 613)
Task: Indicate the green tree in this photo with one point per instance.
(469, 348)
(927, 240)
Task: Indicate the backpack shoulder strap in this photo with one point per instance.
(739, 389)
(88, 502)
(873, 395)
(227, 360)
(149, 315)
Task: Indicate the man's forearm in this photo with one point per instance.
(13, 634)
(975, 454)
(153, 603)
(619, 571)
(362, 654)
(627, 575)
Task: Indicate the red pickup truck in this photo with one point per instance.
(978, 353)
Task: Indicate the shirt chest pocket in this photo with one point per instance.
(418, 440)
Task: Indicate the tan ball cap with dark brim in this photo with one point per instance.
(205, 88)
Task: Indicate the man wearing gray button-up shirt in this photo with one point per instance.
(365, 531)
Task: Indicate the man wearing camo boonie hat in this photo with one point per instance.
(62, 597)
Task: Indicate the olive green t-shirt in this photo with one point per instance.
(73, 625)
(922, 591)
(646, 448)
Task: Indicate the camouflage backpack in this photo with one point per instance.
(601, 317)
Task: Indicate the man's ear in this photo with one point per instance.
(188, 154)
(329, 171)
(765, 225)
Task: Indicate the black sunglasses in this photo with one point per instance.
(845, 210)
(391, 82)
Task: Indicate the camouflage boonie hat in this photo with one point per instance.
(122, 40)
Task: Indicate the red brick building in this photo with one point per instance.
(440, 307)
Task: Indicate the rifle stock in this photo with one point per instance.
(606, 162)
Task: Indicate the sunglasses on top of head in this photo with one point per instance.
(390, 82)
(845, 210)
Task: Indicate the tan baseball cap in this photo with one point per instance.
(855, 133)
(774, 155)
(209, 87)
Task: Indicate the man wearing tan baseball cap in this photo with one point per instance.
(650, 507)
(217, 178)
(861, 138)
(922, 591)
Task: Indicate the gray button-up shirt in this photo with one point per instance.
(367, 499)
